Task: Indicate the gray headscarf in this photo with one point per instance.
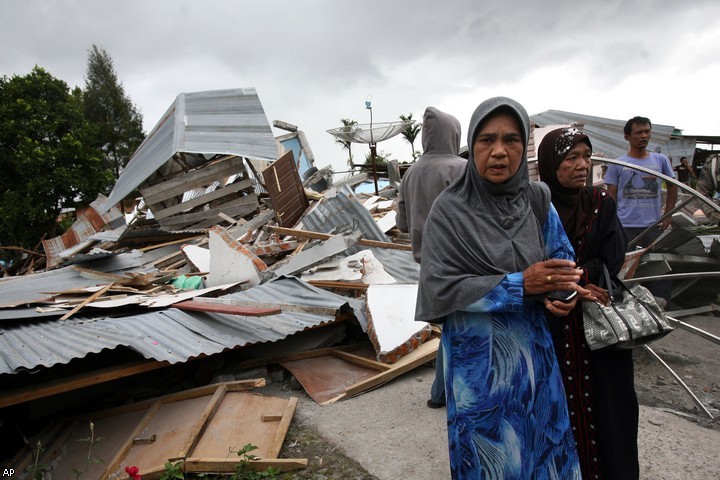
(479, 231)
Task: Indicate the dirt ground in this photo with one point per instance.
(389, 433)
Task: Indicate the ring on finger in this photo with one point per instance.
(549, 279)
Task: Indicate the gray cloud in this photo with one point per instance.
(315, 62)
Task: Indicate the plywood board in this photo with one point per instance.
(204, 427)
(326, 377)
(112, 433)
(333, 375)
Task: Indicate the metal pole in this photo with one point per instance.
(375, 178)
(373, 151)
(679, 380)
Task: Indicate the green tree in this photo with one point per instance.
(47, 158)
(381, 160)
(348, 124)
(116, 121)
(410, 134)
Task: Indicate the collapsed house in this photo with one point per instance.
(241, 260)
(230, 257)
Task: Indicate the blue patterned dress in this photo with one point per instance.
(506, 407)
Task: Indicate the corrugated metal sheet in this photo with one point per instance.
(608, 138)
(85, 226)
(214, 122)
(170, 335)
(342, 211)
(26, 288)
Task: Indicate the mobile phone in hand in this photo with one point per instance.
(565, 296)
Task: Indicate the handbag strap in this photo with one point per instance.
(608, 284)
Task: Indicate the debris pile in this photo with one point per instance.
(237, 255)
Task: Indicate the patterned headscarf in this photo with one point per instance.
(573, 205)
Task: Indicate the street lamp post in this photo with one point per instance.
(373, 145)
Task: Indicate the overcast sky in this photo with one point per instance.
(314, 62)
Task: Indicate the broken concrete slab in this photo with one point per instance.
(391, 321)
(231, 261)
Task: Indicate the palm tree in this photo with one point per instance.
(347, 127)
(411, 133)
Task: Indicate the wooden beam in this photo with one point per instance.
(194, 306)
(89, 299)
(129, 442)
(324, 311)
(202, 199)
(362, 361)
(224, 465)
(417, 357)
(235, 386)
(181, 182)
(174, 242)
(235, 208)
(338, 285)
(33, 392)
(202, 422)
(325, 236)
(274, 448)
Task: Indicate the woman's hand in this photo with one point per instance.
(561, 309)
(549, 275)
(600, 294)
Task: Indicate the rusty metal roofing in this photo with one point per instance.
(169, 335)
(213, 122)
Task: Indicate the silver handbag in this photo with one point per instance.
(633, 317)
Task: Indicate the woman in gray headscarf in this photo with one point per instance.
(493, 249)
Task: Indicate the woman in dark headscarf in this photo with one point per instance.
(493, 248)
(599, 385)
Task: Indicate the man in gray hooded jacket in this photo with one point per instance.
(434, 170)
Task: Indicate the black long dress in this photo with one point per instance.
(599, 385)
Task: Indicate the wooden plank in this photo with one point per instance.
(174, 426)
(115, 463)
(282, 428)
(48, 436)
(202, 199)
(362, 361)
(33, 392)
(236, 386)
(192, 305)
(188, 240)
(202, 422)
(329, 284)
(182, 182)
(225, 465)
(423, 354)
(97, 275)
(284, 307)
(238, 422)
(86, 301)
(325, 236)
(237, 207)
